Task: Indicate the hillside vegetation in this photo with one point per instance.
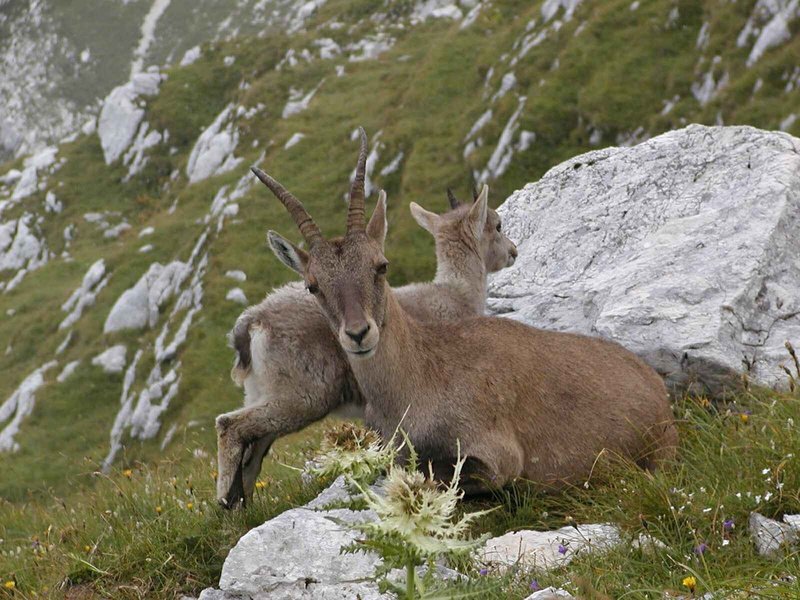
(447, 102)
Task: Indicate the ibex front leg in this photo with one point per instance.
(258, 427)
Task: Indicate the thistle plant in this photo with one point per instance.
(355, 452)
(415, 523)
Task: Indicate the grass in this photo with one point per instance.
(155, 531)
(611, 75)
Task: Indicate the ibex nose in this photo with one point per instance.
(357, 334)
(513, 251)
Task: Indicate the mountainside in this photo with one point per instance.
(59, 59)
(142, 232)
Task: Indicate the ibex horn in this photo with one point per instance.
(355, 215)
(454, 202)
(305, 223)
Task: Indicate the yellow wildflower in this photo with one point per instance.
(260, 485)
(87, 548)
(189, 505)
(128, 473)
(744, 417)
(690, 582)
(9, 585)
(158, 510)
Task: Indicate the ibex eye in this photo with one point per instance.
(312, 288)
(499, 226)
(382, 268)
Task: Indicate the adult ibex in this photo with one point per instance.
(290, 364)
(523, 402)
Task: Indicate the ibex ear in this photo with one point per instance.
(289, 254)
(478, 212)
(377, 226)
(426, 219)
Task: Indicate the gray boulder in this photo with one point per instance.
(547, 550)
(773, 538)
(121, 114)
(138, 307)
(684, 249)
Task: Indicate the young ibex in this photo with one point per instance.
(522, 402)
(290, 364)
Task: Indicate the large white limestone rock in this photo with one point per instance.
(684, 249)
(121, 114)
(138, 307)
(213, 152)
(293, 554)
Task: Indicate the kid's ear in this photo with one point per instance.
(478, 212)
(289, 254)
(377, 226)
(426, 219)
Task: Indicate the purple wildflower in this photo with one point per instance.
(562, 549)
(728, 525)
(699, 550)
(483, 571)
(535, 586)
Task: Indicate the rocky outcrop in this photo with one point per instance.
(213, 152)
(138, 307)
(122, 114)
(683, 249)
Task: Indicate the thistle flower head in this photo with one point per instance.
(418, 511)
(352, 451)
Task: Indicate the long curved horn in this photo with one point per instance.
(305, 223)
(356, 220)
(454, 202)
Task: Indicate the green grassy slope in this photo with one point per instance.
(595, 81)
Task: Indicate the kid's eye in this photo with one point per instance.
(499, 226)
(382, 268)
(312, 288)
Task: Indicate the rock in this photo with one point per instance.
(294, 140)
(298, 103)
(112, 360)
(190, 56)
(296, 555)
(52, 204)
(19, 405)
(19, 247)
(138, 307)
(121, 114)
(370, 47)
(116, 231)
(28, 182)
(547, 550)
(683, 249)
(435, 9)
(771, 537)
(549, 593)
(84, 297)
(237, 275)
(236, 295)
(793, 521)
(67, 371)
(335, 493)
(147, 231)
(213, 152)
